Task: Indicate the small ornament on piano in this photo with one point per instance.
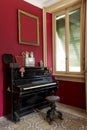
(40, 64)
(22, 70)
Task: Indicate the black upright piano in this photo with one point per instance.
(29, 89)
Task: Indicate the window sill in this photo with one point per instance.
(67, 77)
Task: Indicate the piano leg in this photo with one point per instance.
(16, 117)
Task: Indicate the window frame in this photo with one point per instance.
(69, 76)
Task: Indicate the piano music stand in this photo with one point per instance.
(51, 113)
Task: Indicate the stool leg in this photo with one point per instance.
(51, 112)
(59, 115)
(50, 115)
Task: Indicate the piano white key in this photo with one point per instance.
(38, 86)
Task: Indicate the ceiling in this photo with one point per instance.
(42, 3)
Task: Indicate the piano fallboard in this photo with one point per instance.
(32, 88)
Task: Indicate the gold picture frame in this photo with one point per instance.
(28, 28)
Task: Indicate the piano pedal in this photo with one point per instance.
(37, 110)
(34, 110)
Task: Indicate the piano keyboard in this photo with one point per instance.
(39, 86)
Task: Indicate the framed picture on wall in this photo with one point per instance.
(28, 28)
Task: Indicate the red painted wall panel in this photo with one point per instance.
(9, 37)
(26, 23)
(72, 93)
(49, 40)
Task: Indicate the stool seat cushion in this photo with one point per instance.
(52, 98)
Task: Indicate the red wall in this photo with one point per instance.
(9, 36)
(71, 93)
(49, 40)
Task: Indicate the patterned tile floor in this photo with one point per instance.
(74, 119)
(74, 110)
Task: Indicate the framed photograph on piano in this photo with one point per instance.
(28, 28)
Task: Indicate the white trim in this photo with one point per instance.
(60, 5)
(44, 38)
(73, 78)
(86, 56)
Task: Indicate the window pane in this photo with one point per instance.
(60, 43)
(74, 45)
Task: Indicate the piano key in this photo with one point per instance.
(38, 86)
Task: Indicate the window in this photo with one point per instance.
(68, 47)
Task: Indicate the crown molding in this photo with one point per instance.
(59, 5)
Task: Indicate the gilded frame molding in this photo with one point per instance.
(22, 32)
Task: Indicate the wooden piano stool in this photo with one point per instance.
(51, 113)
